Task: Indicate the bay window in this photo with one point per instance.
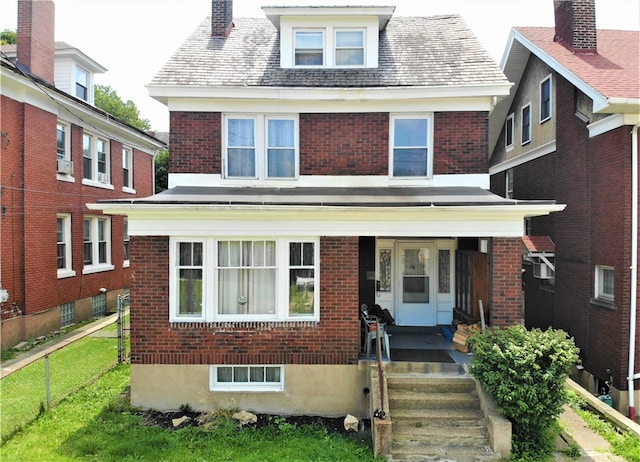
(243, 279)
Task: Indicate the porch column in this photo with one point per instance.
(506, 282)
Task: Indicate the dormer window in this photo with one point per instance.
(82, 84)
(329, 37)
(349, 49)
(309, 48)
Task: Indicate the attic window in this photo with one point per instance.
(309, 48)
(349, 48)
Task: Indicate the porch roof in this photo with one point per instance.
(327, 196)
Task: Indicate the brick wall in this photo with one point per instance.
(333, 340)
(506, 282)
(337, 144)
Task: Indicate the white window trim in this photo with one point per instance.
(510, 118)
(128, 189)
(88, 84)
(429, 117)
(261, 148)
(98, 267)
(364, 46)
(214, 385)
(68, 177)
(210, 277)
(508, 186)
(93, 147)
(524, 141)
(548, 78)
(67, 271)
(126, 238)
(598, 290)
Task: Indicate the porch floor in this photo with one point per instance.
(422, 338)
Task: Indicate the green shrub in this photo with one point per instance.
(525, 371)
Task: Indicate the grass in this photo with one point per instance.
(624, 444)
(24, 393)
(97, 424)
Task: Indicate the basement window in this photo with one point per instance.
(246, 378)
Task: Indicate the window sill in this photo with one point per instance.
(97, 184)
(128, 190)
(65, 273)
(610, 305)
(67, 178)
(97, 269)
(126, 264)
(248, 389)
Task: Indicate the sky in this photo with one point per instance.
(134, 38)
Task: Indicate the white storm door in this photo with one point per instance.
(415, 284)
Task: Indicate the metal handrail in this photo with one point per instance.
(379, 413)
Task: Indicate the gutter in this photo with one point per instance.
(631, 376)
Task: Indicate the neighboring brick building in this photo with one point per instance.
(578, 93)
(60, 263)
(321, 157)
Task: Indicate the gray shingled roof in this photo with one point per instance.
(414, 51)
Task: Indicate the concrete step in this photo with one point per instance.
(442, 435)
(428, 401)
(437, 417)
(423, 452)
(426, 384)
(424, 369)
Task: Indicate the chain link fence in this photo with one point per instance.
(29, 391)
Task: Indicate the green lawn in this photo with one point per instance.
(96, 424)
(23, 394)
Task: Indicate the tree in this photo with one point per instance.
(8, 37)
(161, 164)
(108, 100)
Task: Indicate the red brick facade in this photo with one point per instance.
(335, 339)
(337, 144)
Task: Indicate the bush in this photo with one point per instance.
(525, 371)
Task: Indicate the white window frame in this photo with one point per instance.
(525, 137)
(509, 131)
(125, 241)
(363, 31)
(549, 102)
(260, 147)
(85, 85)
(429, 146)
(599, 285)
(323, 48)
(508, 184)
(210, 277)
(66, 129)
(127, 170)
(67, 270)
(95, 266)
(96, 178)
(245, 385)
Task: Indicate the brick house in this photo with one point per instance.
(321, 157)
(60, 262)
(568, 132)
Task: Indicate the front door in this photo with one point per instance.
(415, 283)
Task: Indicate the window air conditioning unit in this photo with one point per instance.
(542, 271)
(65, 166)
(103, 178)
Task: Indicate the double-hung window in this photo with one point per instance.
(63, 224)
(261, 147)
(526, 124)
(62, 143)
(82, 84)
(125, 233)
(604, 283)
(96, 244)
(349, 48)
(309, 47)
(96, 162)
(271, 279)
(127, 168)
(411, 143)
(509, 184)
(508, 133)
(545, 99)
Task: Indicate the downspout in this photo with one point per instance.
(634, 270)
